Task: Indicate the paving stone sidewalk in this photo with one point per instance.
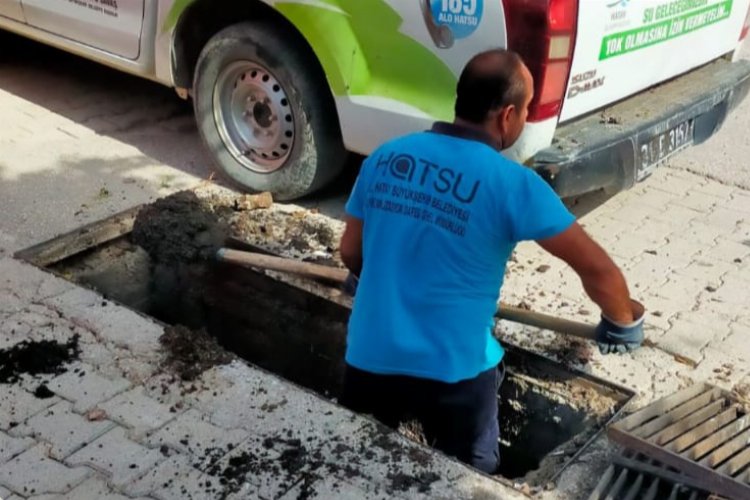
(114, 425)
(683, 242)
(108, 142)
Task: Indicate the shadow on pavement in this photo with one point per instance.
(145, 115)
(135, 111)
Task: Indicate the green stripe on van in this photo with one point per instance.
(625, 42)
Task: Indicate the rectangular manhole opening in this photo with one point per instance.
(548, 412)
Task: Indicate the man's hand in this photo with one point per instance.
(612, 336)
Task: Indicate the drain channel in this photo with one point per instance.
(548, 412)
(635, 477)
(702, 431)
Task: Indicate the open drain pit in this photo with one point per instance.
(548, 412)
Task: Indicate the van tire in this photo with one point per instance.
(316, 154)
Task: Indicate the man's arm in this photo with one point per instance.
(351, 245)
(602, 279)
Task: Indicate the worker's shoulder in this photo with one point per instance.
(451, 151)
(403, 143)
(514, 175)
(429, 144)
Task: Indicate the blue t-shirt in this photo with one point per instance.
(442, 212)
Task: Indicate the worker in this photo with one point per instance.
(431, 222)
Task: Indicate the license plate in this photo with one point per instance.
(660, 147)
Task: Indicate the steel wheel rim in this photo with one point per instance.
(253, 116)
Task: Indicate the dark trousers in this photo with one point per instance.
(459, 419)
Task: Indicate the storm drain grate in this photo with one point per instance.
(634, 477)
(701, 431)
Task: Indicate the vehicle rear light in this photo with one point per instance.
(555, 79)
(543, 33)
(559, 47)
(746, 26)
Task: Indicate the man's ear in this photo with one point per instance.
(505, 117)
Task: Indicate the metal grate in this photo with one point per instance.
(634, 477)
(701, 431)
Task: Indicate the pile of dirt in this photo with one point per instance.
(413, 430)
(422, 482)
(299, 234)
(191, 352)
(584, 398)
(295, 464)
(44, 357)
(43, 392)
(302, 465)
(179, 228)
(281, 229)
(571, 393)
(232, 476)
(572, 352)
(185, 227)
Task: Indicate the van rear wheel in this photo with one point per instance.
(265, 112)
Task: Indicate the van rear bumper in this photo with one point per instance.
(603, 150)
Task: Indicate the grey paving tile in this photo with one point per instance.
(12, 446)
(64, 430)
(116, 455)
(34, 473)
(86, 387)
(136, 410)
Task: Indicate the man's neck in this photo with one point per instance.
(479, 128)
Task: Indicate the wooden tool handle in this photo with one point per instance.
(559, 325)
(337, 275)
(307, 269)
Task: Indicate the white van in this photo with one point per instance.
(283, 88)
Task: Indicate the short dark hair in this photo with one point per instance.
(490, 80)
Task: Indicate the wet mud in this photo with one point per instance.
(301, 464)
(45, 357)
(191, 352)
(179, 228)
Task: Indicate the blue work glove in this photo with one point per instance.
(350, 284)
(612, 336)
